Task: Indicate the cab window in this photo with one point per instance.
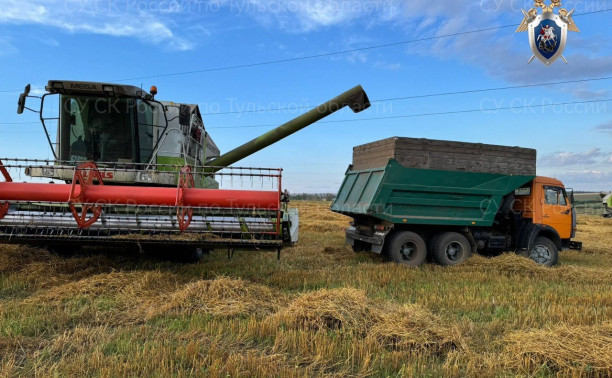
(97, 128)
(554, 196)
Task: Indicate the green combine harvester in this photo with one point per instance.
(129, 169)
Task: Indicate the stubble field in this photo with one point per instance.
(320, 310)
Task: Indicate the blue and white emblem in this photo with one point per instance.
(547, 31)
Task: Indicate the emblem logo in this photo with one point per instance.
(547, 31)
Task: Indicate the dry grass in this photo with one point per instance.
(320, 311)
(414, 329)
(347, 310)
(562, 349)
(222, 297)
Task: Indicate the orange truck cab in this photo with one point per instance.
(548, 211)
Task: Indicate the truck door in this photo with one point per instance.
(556, 211)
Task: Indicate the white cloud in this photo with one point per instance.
(605, 128)
(500, 53)
(106, 18)
(587, 179)
(387, 66)
(584, 91)
(307, 15)
(564, 159)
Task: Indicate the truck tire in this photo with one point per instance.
(544, 251)
(407, 248)
(451, 248)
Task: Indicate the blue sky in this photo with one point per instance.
(111, 40)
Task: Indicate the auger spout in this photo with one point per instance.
(355, 98)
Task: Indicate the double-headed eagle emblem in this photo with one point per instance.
(547, 31)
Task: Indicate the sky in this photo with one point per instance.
(208, 52)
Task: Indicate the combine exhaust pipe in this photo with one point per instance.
(355, 98)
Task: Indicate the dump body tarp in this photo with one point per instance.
(399, 194)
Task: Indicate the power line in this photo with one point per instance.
(394, 98)
(405, 116)
(432, 114)
(248, 65)
(287, 60)
(422, 96)
(341, 52)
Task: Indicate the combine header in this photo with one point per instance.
(136, 171)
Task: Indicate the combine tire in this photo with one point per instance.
(544, 251)
(451, 248)
(407, 248)
(190, 255)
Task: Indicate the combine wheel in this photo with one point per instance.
(188, 255)
(544, 251)
(191, 255)
(407, 248)
(451, 248)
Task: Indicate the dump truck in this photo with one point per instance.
(128, 169)
(414, 199)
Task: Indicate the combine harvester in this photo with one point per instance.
(140, 172)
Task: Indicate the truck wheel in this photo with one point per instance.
(544, 251)
(451, 248)
(407, 248)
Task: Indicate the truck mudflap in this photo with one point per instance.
(575, 245)
(376, 241)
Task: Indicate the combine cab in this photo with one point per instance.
(131, 170)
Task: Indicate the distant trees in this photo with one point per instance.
(312, 196)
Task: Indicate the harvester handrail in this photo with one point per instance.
(133, 167)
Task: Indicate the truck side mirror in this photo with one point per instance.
(22, 99)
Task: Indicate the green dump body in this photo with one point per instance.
(398, 194)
